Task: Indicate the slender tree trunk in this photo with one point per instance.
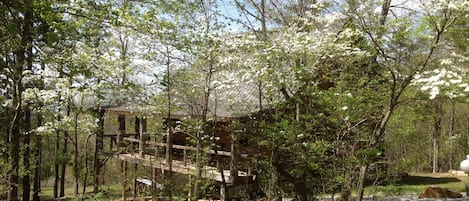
(27, 136)
(15, 157)
(134, 184)
(6, 157)
(169, 142)
(451, 134)
(37, 151)
(346, 189)
(85, 180)
(75, 161)
(57, 161)
(15, 124)
(64, 160)
(198, 170)
(37, 157)
(384, 11)
(26, 155)
(466, 147)
(361, 181)
(302, 191)
(98, 147)
(123, 57)
(436, 136)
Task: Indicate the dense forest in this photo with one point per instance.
(326, 96)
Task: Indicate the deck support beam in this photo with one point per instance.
(124, 179)
(134, 185)
(223, 195)
(154, 172)
(234, 161)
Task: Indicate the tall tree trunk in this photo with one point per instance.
(57, 161)
(451, 134)
(64, 159)
(97, 163)
(15, 124)
(60, 156)
(169, 142)
(26, 155)
(27, 136)
(6, 157)
(436, 136)
(13, 179)
(37, 157)
(466, 147)
(198, 167)
(75, 160)
(37, 151)
(85, 180)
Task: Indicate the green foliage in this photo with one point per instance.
(327, 79)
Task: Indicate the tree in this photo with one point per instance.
(18, 18)
(297, 72)
(389, 42)
(436, 19)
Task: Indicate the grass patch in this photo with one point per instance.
(417, 183)
(108, 192)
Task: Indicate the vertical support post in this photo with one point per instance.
(153, 184)
(223, 192)
(141, 144)
(234, 160)
(189, 193)
(124, 177)
(134, 188)
(185, 156)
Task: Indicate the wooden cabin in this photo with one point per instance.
(137, 135)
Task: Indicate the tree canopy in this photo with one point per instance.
(322, 87)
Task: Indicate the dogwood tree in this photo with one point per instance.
(366, 52)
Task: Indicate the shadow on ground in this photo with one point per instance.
(426, 180)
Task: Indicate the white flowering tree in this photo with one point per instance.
(447, 80)
(80, 49)
(296, 65)
(359, 60)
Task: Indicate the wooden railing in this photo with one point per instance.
(184, 148)
(234, 172)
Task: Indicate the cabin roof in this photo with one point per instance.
(231, 101)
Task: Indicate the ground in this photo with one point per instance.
(406, 189)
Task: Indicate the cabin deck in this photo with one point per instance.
(208, 172)
(142, 149)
